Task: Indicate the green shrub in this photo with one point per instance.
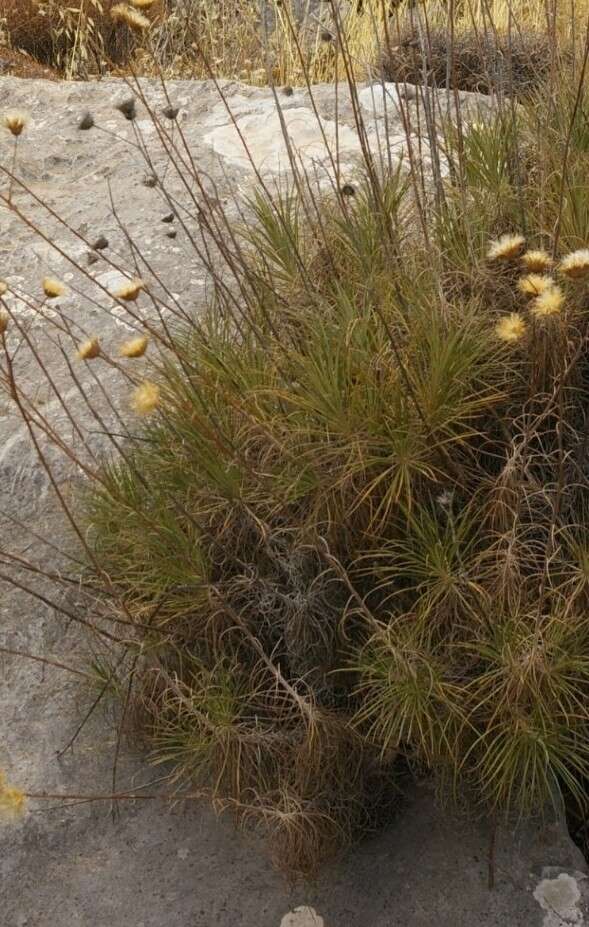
(356, 516)
(349, 537)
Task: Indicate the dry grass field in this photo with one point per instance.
(292, 42)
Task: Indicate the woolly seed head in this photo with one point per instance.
(121, 13)
(575, 264)
(146, 398)
(506, 247)
(3, 321)
(536, 261)
(130, 290)
(128, 108)
(534, 284)
(510, 328)
(53, 288)
(135, 347)
(16, 122)
(548, 303)
(3, 288)
(90, 349)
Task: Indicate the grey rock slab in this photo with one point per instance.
(160, 868)
(144, 864)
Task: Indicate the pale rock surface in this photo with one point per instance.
(147, 865)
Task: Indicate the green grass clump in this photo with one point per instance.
(353, 534)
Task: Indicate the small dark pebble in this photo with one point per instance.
(168, 218)
(150, 180)
(171, 233)
(326, 36)
(86, 122)
(348, 190)
(287, 91)
(171, 112)
(101, 243)
(128, 108)
(92, 257)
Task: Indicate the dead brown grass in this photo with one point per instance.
(479, 62)
(50, 29)
(18, 64)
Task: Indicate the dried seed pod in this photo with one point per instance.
(128, 108)
(86, 122)
(171, 112)
(16, 122)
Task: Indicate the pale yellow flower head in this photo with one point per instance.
(536, 261)
(53, 288)
(89, 349)
(506, 248)
(122, 13)
(548, 303)
(12, 800)
(130, 290)
(534, 284)
(575, 264)
(16, 122)
(135, 347)
(511, 328)
(146, 398)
